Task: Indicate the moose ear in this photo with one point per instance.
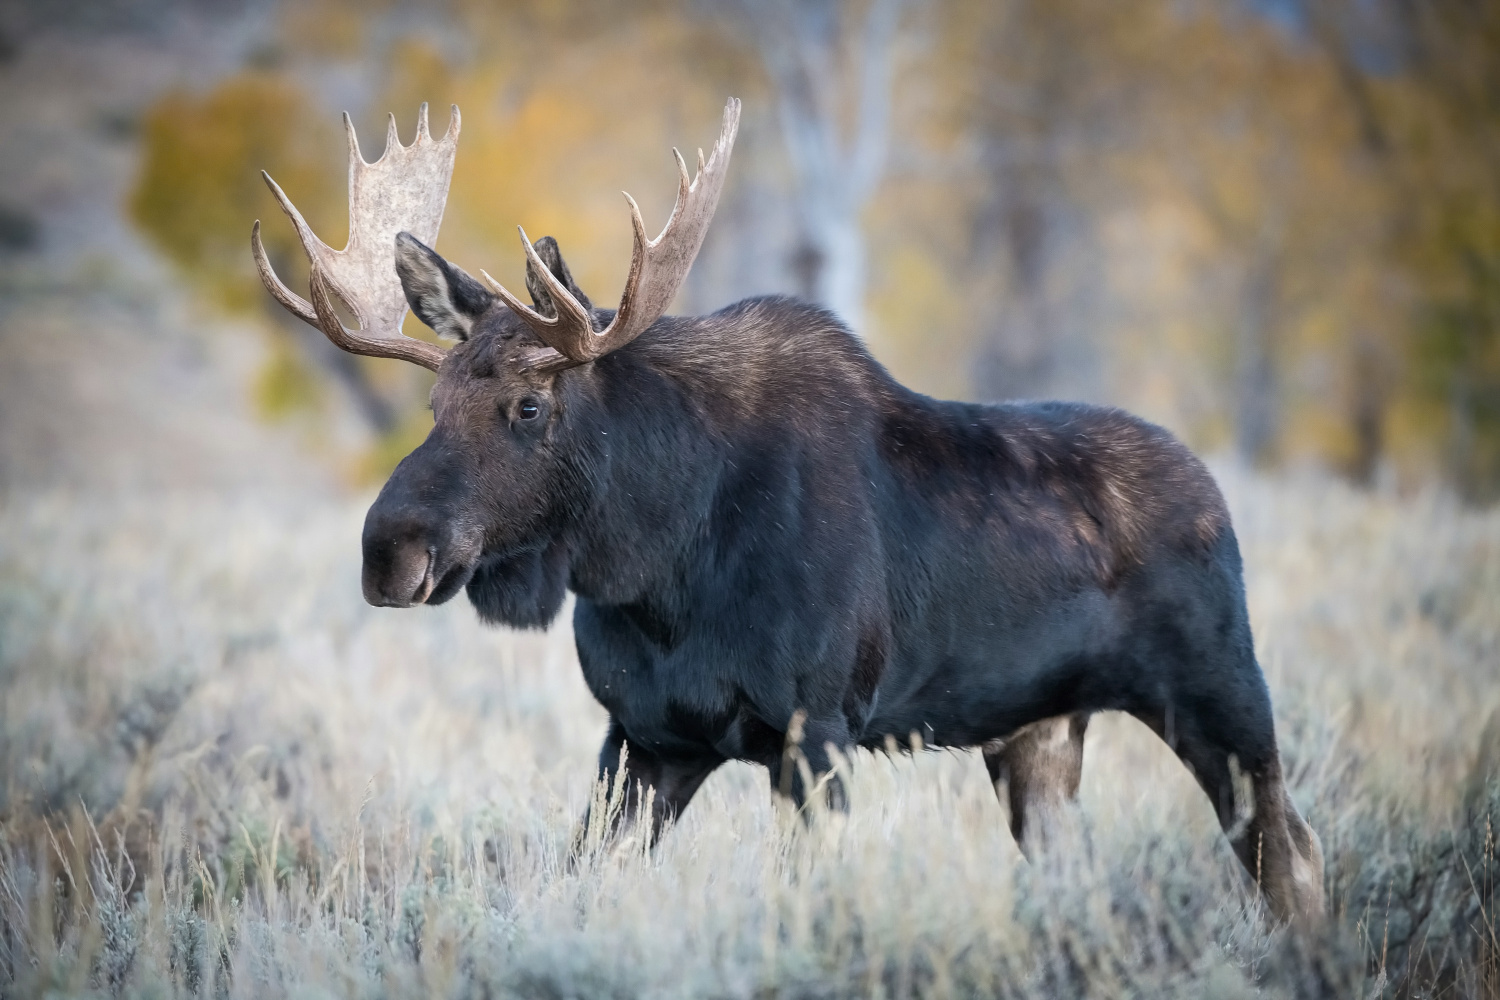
(546, 248)
(441, 294)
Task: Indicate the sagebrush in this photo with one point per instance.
(227, 776)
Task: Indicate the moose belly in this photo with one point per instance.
(963, 682)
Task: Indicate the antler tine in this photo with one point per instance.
(405, 190)
(569, 310)
(638, 227)
(684, 182)
(392, 135)
(327, 317)
(294, 303)
(354, 153)
(657, 267)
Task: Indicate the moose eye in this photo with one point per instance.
(529, 410)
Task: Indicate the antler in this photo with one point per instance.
(657, 267)
(405, 189)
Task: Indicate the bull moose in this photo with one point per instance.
(766, 532)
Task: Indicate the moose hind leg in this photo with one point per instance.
(1307, 862)
(1238, 766)
(1036, 772)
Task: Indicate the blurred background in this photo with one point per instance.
(1271, 225)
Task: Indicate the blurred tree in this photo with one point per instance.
(1268, 163)
(198, 189)
(1276, 235)
(1168, 198)
(199, 183)
(832, 66)
(1423, 80)
(1044, 91)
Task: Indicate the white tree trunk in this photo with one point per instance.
(843, 277)
(805, 46)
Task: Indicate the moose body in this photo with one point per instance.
(758, 539)
(767, 536)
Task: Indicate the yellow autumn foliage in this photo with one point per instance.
(200, 188)
(1219, 247)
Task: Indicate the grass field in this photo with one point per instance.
(226, 775)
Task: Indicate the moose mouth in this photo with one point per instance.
(448, 584)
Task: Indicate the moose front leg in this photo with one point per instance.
(807, 746)
(1036, 772)
(632, 776)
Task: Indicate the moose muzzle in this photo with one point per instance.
(414, 553)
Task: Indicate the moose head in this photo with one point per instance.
(485, 502)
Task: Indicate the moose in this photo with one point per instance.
(768, 537)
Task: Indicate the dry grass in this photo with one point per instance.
(225, 775)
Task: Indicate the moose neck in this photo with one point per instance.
(649, 472)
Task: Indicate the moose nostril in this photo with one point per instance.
(398, 573)
(425, 584)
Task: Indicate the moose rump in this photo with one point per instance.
(770, 538)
